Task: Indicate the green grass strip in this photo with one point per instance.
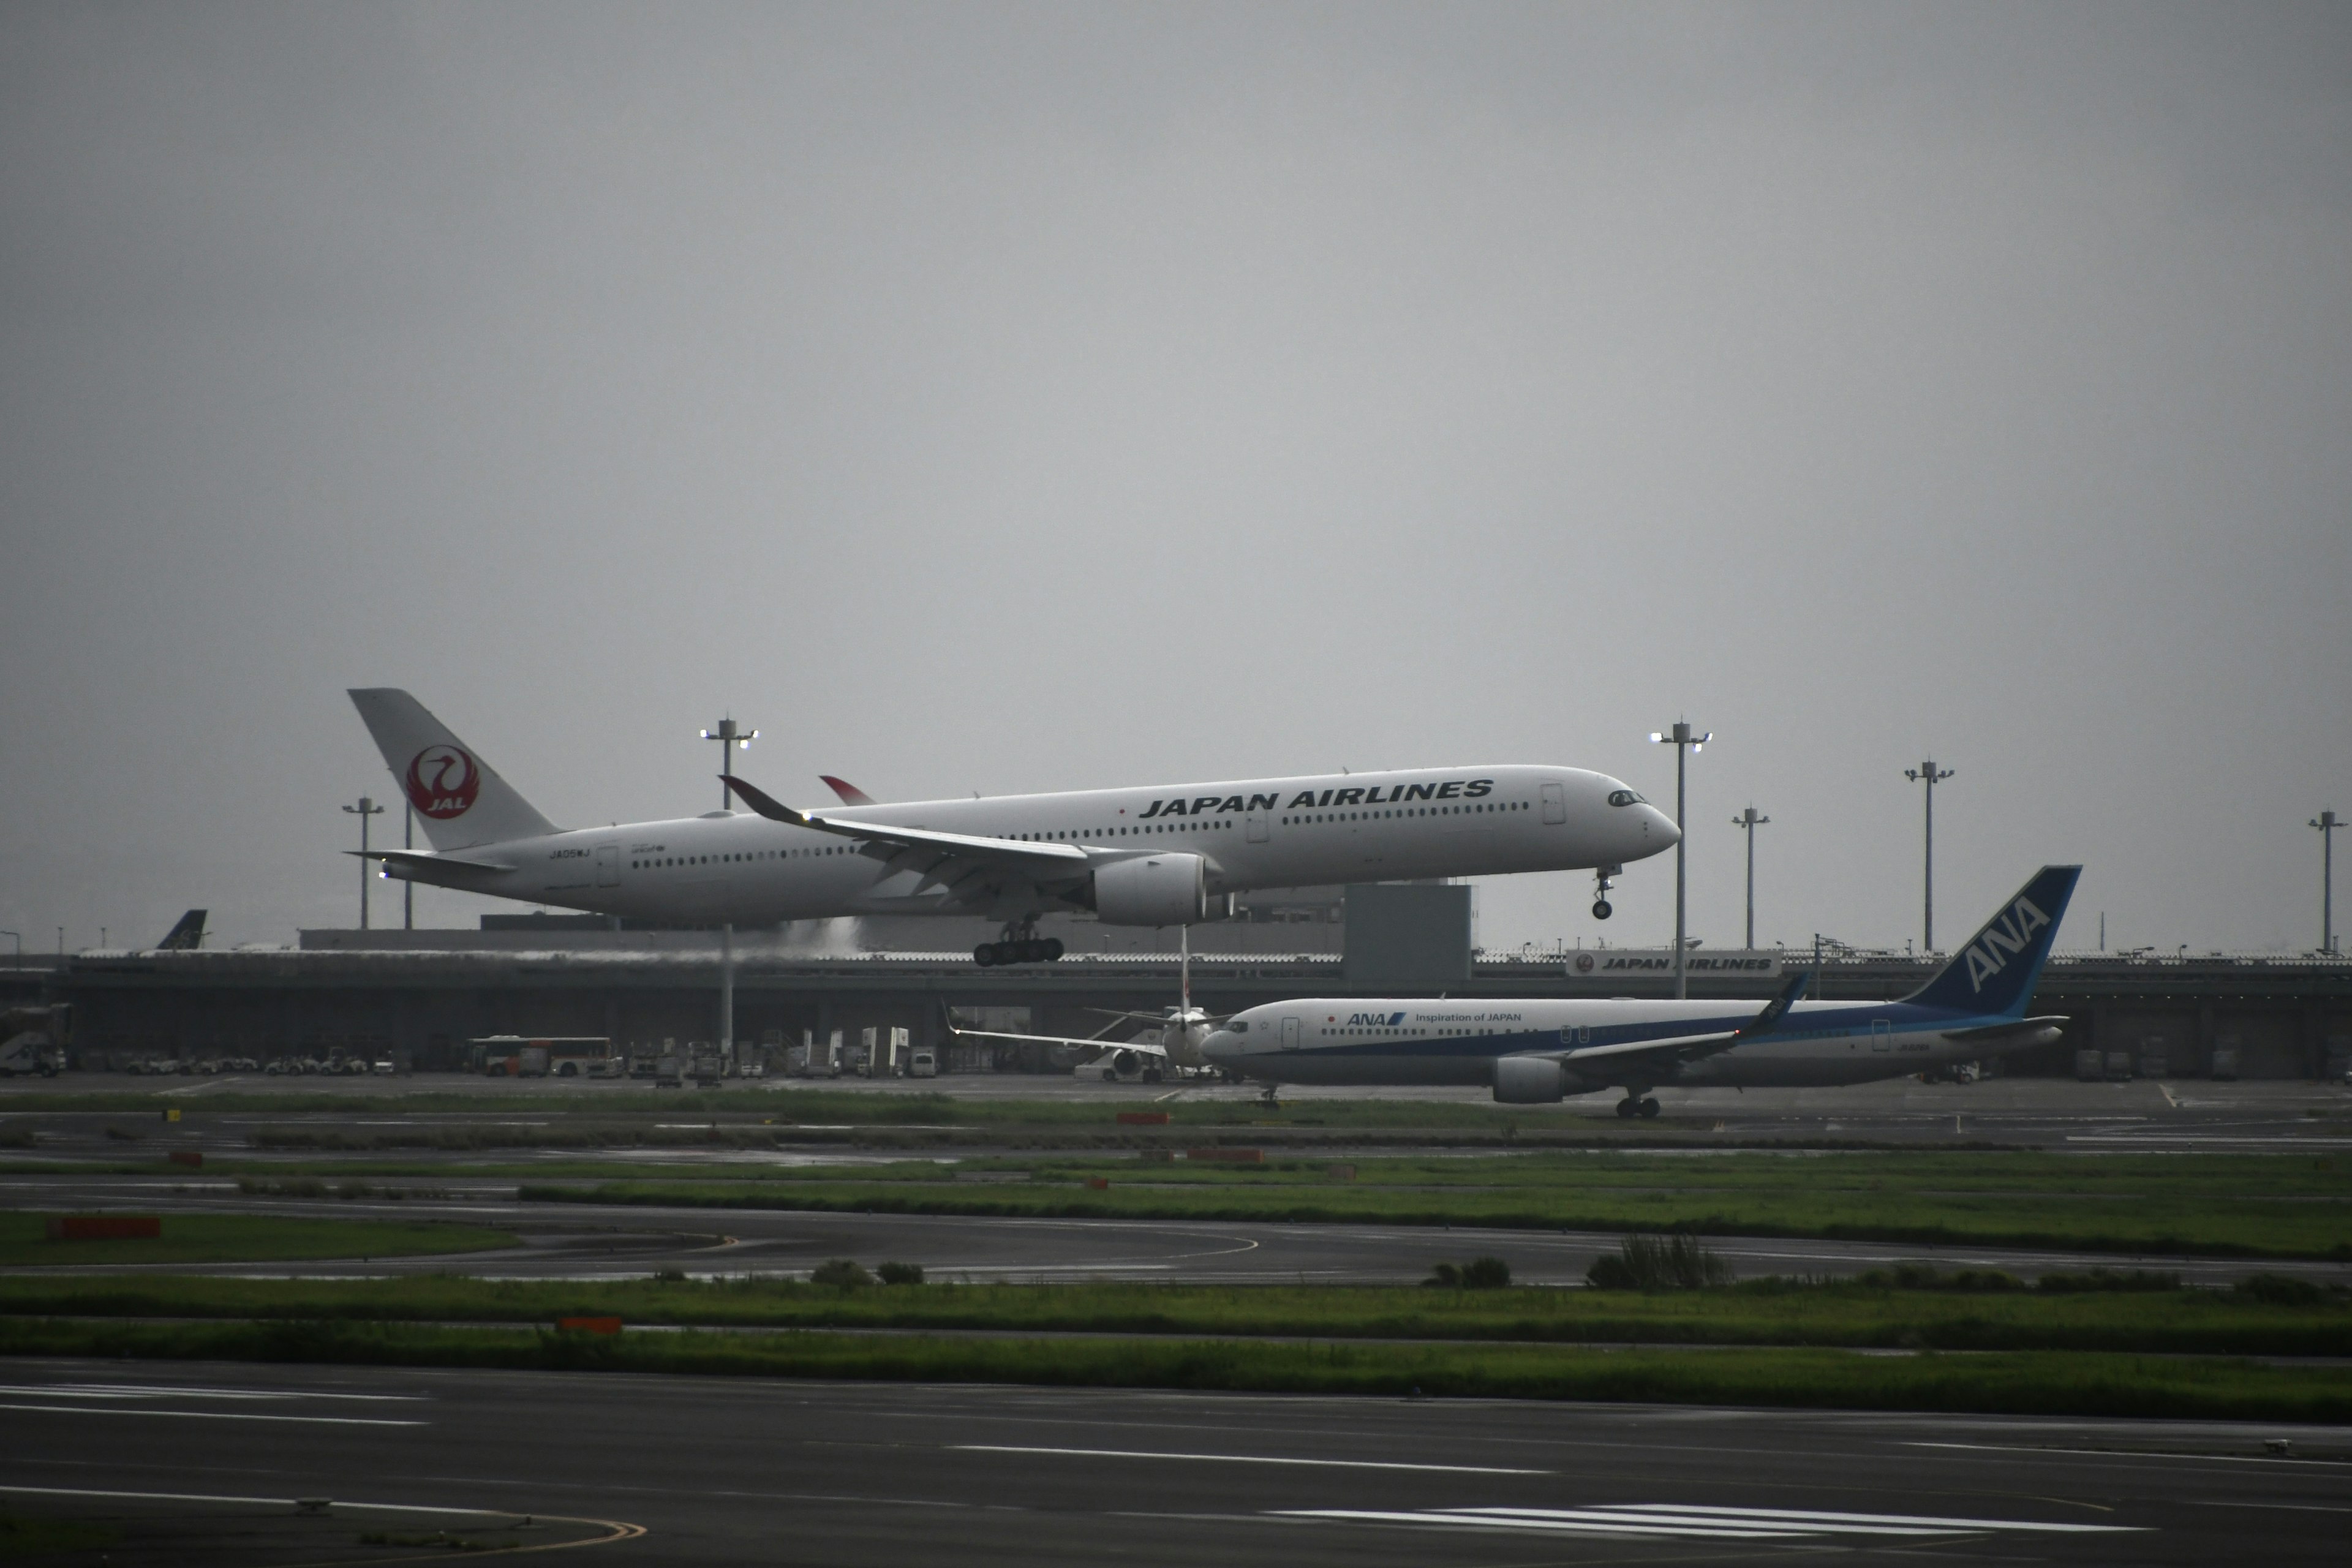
(2198, 1322)
(2018, 1382)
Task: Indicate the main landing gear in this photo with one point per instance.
(1645, 1106)
(1022, 944)
(1601, 886)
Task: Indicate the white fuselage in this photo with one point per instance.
(1258, 832)
(1359, 1041)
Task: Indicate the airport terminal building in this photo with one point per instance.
(421, 999)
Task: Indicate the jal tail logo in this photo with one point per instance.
(2002, 941)
(443, 782)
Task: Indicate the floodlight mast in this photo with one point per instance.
(1683, 742)
(729, 737)
(1932, 775)
(1747, 822)
(2327, 823)
(365, 809)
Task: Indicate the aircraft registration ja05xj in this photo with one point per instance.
(1155, 855)
(1535, 1052)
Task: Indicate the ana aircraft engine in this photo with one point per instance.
(1533, 1081)
(1153, 890)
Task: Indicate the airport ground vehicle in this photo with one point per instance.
(1538, 1051)
(1155, 855)
(32, 1040)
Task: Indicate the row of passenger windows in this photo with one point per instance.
(1431, 1033)
(650, 864)
(1076, 835)
(1406, 811)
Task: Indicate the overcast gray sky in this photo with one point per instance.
(1014, 397)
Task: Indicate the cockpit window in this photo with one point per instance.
(1625, 797)
(1239, 1026)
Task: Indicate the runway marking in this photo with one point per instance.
(2105, 1453)
(1240, 1460)
(210, 1415)
(151, 1390)
(617, 1530)
(1694, 1522)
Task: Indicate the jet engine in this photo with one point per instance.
(1153, 890)
(1531, 1080)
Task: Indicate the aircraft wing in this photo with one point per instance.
(1142, 1047)
(2020, 1031)
(1690, 1048)
(955, 861)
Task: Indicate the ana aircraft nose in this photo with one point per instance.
(1221, 1048)
(1663, 834)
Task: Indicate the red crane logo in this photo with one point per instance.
(443, 782)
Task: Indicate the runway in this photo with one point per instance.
(727, 1472)
(586, 1241)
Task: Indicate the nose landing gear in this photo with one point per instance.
(1602, 909)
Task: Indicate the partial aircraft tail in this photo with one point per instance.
(1994, 973)
(459, 798)
(187, 936)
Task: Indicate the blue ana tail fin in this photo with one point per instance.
(1994, 973)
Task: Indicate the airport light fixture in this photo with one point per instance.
(1931, 775)
(1683, 742)
(365, 809)
(729, 737)
(2327, 823)
(1747, 822)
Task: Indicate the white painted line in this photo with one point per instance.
(207, 1415)
(1239, 1460)
(1558, 1527)
(278, 1501)
(1686, 1518)
(2104, 1453)
(148, 1390)
(1904, 1520)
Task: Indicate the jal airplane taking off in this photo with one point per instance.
(1154, 856)
(1540, 1051)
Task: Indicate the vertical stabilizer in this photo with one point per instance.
(185, 937)
(460, 800)
(1994, 973)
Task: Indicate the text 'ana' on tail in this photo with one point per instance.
(1994, 973)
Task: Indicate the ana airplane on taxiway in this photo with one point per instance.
(1538, 1051)
(1153, 856)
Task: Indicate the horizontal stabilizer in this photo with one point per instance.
(418, 858)
(2023, 1032)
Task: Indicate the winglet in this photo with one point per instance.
(767, 806)
(1773, 1010)
(849, 792)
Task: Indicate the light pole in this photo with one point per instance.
(2328, 824)
(365, 809)
(1932, 775)
(729, 737)
(1683, 742)
(1747, 822)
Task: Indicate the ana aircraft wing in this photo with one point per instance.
(964, 864)
(1691, 1047)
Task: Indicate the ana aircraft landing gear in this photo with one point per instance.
(1601, 886)
(1638, 1104)
(1022, 944)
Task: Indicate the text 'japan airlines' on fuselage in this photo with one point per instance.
(1154, 856)
(1546, 1049)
